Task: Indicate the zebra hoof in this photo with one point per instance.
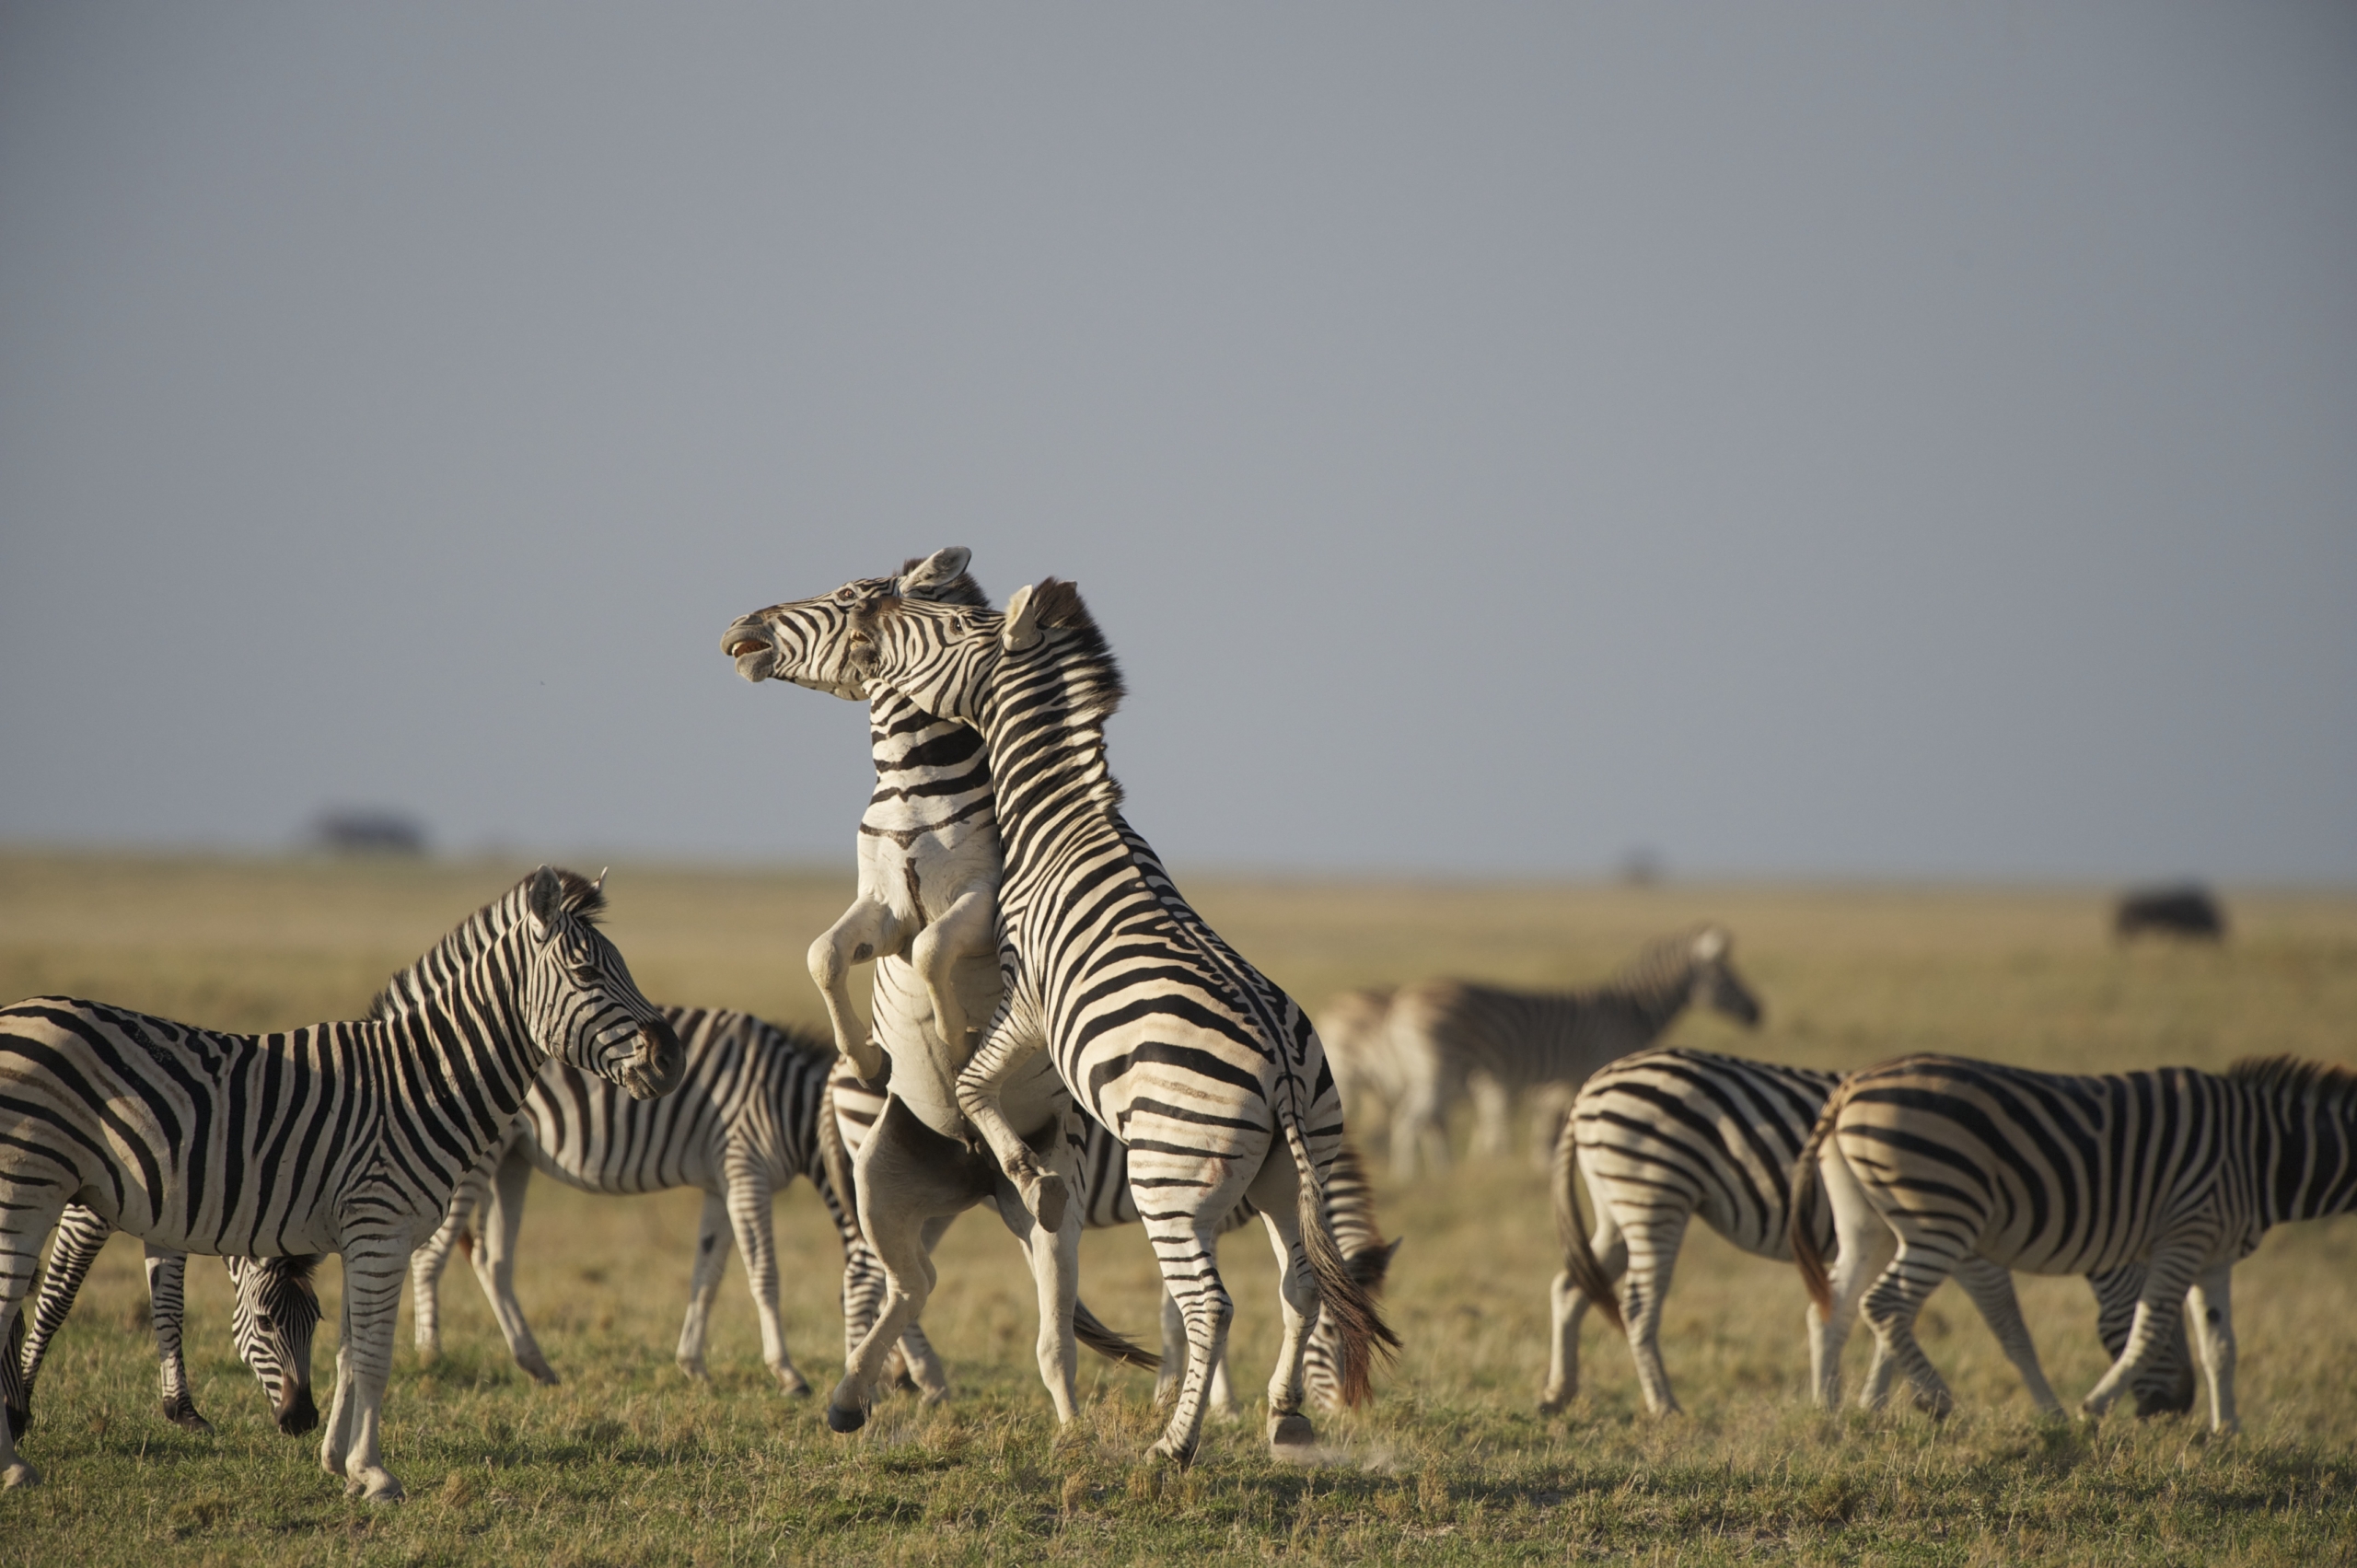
(18, 1474)
(1292, 1430)
(842, 1420)
(1173, 1452)
(792, 1384)
(375, 1486)
(181, 1412)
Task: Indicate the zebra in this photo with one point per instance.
(276, 1312)
(1931, 1159)
(742, 1125)
(1107, 1203)
(1441, 1038)
(1160, 1031)
(338, 1137)
(1667, 1134)
(929, 869)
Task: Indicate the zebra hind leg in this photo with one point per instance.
(704, 1283)
(1652, 1264)
(1891, 1307)
(80, 1235)
(748, 1211)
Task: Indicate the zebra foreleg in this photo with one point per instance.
(494, 1262)
(1045, 1192)
(748, 1211)
(2211, 1303)
(373, 1272)
(2165, 1389)
(1490, 1104)
(1992, 1289)
(704, 1282)
(2169, 1272)
(167, 1304)
(862, 931)
(965, 929)
(459, 1221)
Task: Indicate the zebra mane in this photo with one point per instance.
(1094, 680)
(581, 898)
(959, 589)
(2294, 1076)
(1663, 961)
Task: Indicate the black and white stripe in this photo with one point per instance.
(277, 1310)
(1440, 1040)
(742, 1126)
(1209, 1073)
(1666, 1135)
(340, 1137)
(1932, 1159)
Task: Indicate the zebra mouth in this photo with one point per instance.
(750, 645)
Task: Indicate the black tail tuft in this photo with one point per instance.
(1109, 1344)
(1364, 1335)
(1807, 1192)
(1579, 1255)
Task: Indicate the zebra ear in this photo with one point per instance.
(545, 900)
(1022, 628)
(1711, 945)
(935, 570)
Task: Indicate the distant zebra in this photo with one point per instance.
(1931, 1159)
(340, 1137)
(272, 1324)
(742, 1125)
(1106, 1201)
(1665, 1135)
(1199, 1064)
(1443, 1039)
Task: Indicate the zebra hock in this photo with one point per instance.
(1158, 1029)
(1931, 1159)
(340, 1137)
(929, 866)
(272, 1323)
(1665, 1135)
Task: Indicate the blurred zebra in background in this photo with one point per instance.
(276, 1313)
(1931, 1160)
(1440, 1040)
(743, 1125)
(1665, 1135)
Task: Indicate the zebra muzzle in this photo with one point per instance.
(660, 1063)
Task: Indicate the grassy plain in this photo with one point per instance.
(628, 1462)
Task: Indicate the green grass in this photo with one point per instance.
(628, 1462)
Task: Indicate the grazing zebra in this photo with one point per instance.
(272, 1324)
(1931, 1159)
(1442, 1039)
(928, 874)
(1191, 1057)
(1664, 1135)
(340, 1137)
(742, 1125)
(1106, 1201)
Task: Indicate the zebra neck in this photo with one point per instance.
(454, 1021)
(1651, 1001)
(930, 772)
(2307, 1163)
(1054, 788)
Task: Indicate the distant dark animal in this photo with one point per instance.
(2189, 910)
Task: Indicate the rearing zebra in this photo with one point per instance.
(1191, 1057)
(1932, 1159)
(341, 1137)
(1665, 1135)
(1443, 1039)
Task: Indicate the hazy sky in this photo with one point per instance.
(1845, 439)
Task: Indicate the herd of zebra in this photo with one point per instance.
(1056, 1033)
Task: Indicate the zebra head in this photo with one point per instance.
(276, 1314)
(1716, 986)
(579, 1001)
(804, 641)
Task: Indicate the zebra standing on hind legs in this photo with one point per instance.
(1932, 1159)
(272, 1324)
(340, 1137)
(1441, 1039)
(926, 911)
(1208, 1073)
(1665, 1135)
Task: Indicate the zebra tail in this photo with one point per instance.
(1109, 1344)
(1579, 1255)
(1807, 1194)
(836, 1161)
(1363, 1332)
